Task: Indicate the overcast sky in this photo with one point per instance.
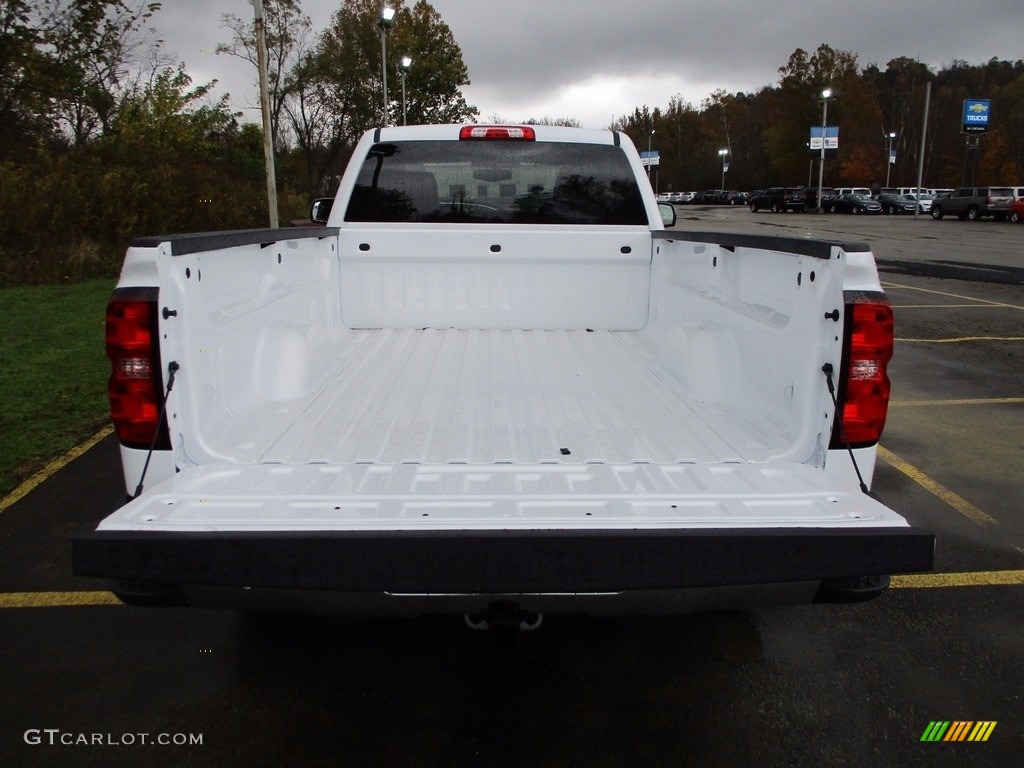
(595, 60)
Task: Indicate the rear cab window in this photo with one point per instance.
(497, 182)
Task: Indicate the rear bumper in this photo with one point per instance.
(501, 562)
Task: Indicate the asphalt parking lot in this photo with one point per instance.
(809, 686)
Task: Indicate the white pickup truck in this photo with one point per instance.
(497, 382)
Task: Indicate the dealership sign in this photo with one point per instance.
(976, 115)
(831, 140)
(650, 159)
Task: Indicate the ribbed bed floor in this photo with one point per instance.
(491, 396)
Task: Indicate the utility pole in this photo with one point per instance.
(268, 138)
(826, 94)
(924, 135)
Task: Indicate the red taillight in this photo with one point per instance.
(864, 384)
(135, 382)
(497, 133)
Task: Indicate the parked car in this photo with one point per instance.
(686, 198)
(896, 203)
(974, 203)
(924, 201)
(732, 197)
(828, 194)
(853, 203)
(1017, 210)
(779, 200)
(710, 197)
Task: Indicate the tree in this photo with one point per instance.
(565, 122)
(64, 65)
(287, 30)
(798, 107)
(1011, 124)
(899, 92)
(341, 77)
(347, 63)
(25, 81)
(94, 44)
(434, 83)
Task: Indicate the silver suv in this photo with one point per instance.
(974, 203)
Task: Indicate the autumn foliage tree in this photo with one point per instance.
(767, 132)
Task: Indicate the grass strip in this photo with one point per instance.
(53, 373)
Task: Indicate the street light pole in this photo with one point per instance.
(403, 67)
(888, 158)
(387, 19)
(723, 153)
(825, 96)
(649, 156)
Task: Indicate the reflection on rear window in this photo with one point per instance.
(496, 182)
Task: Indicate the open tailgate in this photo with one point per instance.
(542, 528)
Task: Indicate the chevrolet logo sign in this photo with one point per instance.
(978, 108)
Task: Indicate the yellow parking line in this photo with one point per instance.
(952, 295)
(965, 338)
(967, 579)
(56, 599)
(957, 502)
(973, 401)
(57, 464)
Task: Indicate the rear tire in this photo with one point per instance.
(973, 213)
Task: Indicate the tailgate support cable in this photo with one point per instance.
(827, 370)
(172, 368)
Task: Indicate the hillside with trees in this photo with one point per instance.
(767, 132)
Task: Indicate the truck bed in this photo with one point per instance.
(505, 396)
(443, 404)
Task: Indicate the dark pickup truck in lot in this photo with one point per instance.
(974, 203)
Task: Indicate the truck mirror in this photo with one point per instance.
(668, 214)
(320, 210)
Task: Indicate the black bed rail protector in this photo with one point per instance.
(818, 249)
(501, 561)
(196, 242)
